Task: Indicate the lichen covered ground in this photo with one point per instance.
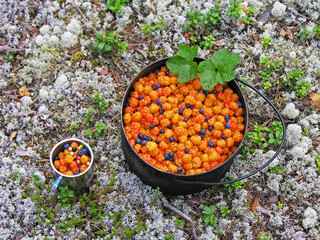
(52, 73)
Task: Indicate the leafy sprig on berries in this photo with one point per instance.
(217, 70)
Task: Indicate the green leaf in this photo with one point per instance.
(99, 37)
(219, 69)
(209, 209)
(183, 65)
(100, 46)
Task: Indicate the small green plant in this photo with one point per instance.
(108, 43)
(274, 134)
(209, 217)
(305, 132)
(316, 31)
(208, 42)
(297, 83)
(147, 28)
(8, 56)
(212, 17)
(234, 9)
(265, 238)
(89, 118)
(280, 205)
(248, 19)
(98, 130)
(304, 34)
(318, 163)
(193, 39)
(266, 42)
(116, 5)
(278, 170)
(269, 68)
(194, 19)
(15, 176)
(233, 186)
(169, 236)
(179, 222)
(224, 211)
(218, 70)
(100, 100)
(65, 196)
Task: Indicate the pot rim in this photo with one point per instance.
(124, 100)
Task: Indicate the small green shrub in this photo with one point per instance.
(234, 9)
(194, 20)
(116, 5)
(147, 28)
(208, 42)
(108, 43)
(266, 42)
(100, 100)
(209, 217)
(212, 17)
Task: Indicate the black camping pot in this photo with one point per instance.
(176, 184)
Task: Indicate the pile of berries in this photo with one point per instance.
(74, 159)
(180, 127)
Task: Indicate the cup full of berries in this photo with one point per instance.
(184, 120)
(72, 164)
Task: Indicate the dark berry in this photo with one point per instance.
(157, 101)
(161, 111)
(145, 137)
(210, 128)
(74, 149)
(180, 169)
(157, 142)
(168, 171)
(202, 136)
(171, 154)
(201, 111)
(85, 151)
(214, 92)
(180, 111)
(171, 139)
(161, 130)
(138, 141)
(186, 150)
(140, 97)
(76, 173)
(161, 104)
(140, 136)
(227, 125)
(167, 73)
(80, 153)
(223, 137)
(206, 92)
(185, 119)
(149, 139)
(171, 159)
(158, 85)
(66, 146)
(57, 158)
(239, 103)
(166, 156)
(79, 166)
(200, 91)
(154, 87)
(170, 126)
(151, 126)
(191, 107)
(210, 144)
(227, 118)
(203, 132)
(187, 105)
(148, 105)
(207, 118)
(144, 142)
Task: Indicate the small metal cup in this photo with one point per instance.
(78, 183)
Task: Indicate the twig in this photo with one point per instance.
(11, 49)
(86, 19)
(181, 214)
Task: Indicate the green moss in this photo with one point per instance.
(78, 56)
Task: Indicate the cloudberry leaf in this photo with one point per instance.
(219, 69)
(183, 64)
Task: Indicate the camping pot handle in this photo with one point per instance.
(271, 159)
